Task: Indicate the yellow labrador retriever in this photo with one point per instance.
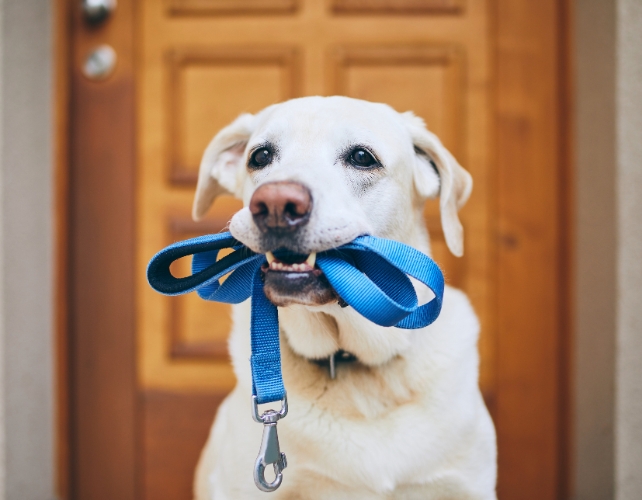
(403, 417)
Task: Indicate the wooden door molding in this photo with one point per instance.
(566, 260)
(116, 427)
(227, 7)
(397, 6)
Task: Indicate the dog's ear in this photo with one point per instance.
(436, 172)
(222, 164)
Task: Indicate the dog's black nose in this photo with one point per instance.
(281, 206)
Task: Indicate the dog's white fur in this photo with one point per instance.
(408, 420)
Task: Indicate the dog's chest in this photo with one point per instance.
(379, 452)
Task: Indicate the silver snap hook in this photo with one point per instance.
(270, 452)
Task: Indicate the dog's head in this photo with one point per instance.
(316, 172)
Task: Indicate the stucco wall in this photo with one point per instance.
(26, 356)
(628, 373)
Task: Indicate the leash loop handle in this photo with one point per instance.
(206, 269)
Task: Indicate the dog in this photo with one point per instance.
(405, 418)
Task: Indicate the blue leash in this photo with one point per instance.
(370, 274)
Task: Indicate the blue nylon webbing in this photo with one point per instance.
(370, 274)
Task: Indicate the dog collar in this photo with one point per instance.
(334, 359)
(369, 274)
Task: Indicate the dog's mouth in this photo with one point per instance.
(292, 278)
(291, 262)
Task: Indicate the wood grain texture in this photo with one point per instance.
(175, 427)
(530, 248)
(227, 7)
(101, 249)
(398, 6)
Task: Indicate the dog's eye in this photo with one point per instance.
(260, 158)
(361, 158)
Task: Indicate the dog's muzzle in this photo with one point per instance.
(280, 210)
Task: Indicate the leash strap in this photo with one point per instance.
(370, 274)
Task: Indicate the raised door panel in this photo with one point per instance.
(174, 428)
(430, 81)
(227, 7)
(199, 90)
(423, 79)
(211, 87)
(200, 68)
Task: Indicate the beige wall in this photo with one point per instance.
(26, 346)
(608, 375)
(628, 350)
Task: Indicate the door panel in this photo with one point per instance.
(211, 87)
(194, 67)
(211, 68)
(198, 73)
(174, 428)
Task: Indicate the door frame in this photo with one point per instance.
(95, 307)
(97, 426)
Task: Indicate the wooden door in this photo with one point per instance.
(149, 371)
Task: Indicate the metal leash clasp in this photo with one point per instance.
(270, 452)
